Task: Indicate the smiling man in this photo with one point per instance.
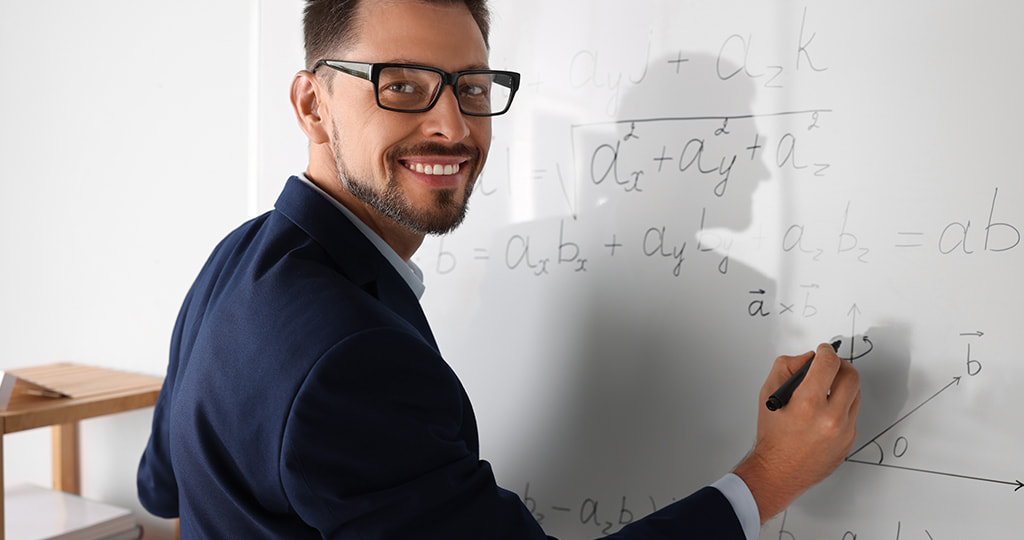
(305, 395)
(404, 175)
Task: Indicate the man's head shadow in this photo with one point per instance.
(656, 351)
(686, 135)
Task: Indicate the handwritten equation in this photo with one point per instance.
(604, 517)
(692, 181)
(752, 179)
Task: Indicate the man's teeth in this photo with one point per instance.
(433, 169)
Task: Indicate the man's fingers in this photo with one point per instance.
(829, 377)
(846, 384)
(782, 370)
(823, 372)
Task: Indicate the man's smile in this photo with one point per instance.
(435, 169)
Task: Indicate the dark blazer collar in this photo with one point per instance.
(357, 258)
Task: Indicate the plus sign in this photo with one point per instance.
(753, 149)
(613, 245)
(759, 239)
(661, 160)
(678, 61)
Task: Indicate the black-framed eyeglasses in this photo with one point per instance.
(415, 89)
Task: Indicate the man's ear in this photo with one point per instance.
(306, 101)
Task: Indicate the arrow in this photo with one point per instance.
(1017, 483)
(979, 333)
(854, 311)
(956, 381)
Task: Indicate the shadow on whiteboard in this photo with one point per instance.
(656, 360)
(882, 357)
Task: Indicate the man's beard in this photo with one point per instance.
(442, 217)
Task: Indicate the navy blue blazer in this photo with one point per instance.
(306, 398)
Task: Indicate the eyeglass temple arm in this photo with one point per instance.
(352, 68)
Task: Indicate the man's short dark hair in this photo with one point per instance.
(331, 24)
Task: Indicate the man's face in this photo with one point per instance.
(416, 169)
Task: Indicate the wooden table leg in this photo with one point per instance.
(2, 502)
(66, 473)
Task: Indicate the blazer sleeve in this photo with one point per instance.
(376, 445)
(156, 482)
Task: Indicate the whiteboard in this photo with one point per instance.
(685, 190)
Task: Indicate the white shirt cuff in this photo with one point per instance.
(743, 503)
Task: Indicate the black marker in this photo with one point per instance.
(781, 396)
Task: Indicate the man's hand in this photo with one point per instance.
(802, 443)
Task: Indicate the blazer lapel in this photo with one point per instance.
(355, 255)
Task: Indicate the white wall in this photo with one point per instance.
(124, 157)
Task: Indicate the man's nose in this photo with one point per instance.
(445, 119)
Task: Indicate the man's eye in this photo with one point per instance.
(473, 90)
(402, 88)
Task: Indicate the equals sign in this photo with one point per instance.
(909, 239)
(539, 174)
(481, 254)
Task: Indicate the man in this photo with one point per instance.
(305, 395)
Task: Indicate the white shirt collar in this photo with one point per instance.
(408, 270)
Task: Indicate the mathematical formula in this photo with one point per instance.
(686, 191)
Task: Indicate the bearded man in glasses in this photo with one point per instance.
(305, 395)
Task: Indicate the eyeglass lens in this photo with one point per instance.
(411, 89)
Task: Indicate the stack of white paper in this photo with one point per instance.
(37, 513)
